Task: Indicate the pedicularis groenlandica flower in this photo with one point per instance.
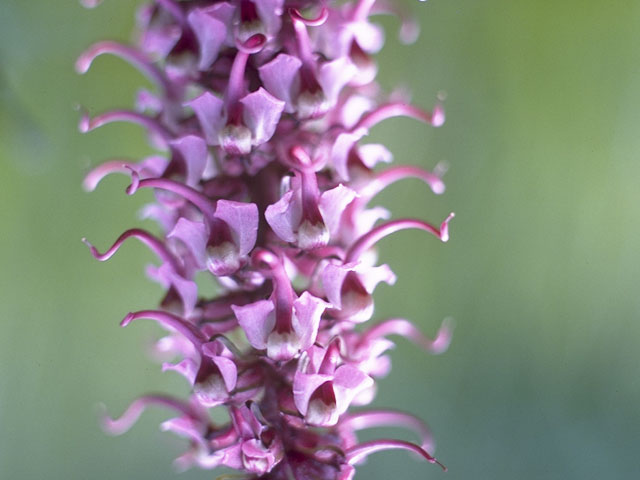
(260, 109)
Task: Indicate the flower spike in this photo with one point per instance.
(261, 185)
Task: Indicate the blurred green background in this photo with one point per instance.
(541, 273)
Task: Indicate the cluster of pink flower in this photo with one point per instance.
(261, 106)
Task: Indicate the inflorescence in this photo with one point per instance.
(259, 109)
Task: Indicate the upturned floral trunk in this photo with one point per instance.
(264, 182)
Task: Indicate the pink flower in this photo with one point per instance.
(262, 185)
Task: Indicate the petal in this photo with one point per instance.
(347, 383)
(284, 216)
(187, 290)
(303, 387)
(193, 151)
(242, 219)
(261, 114)
(306, 319)
(208, 108)
(333, 203)
(333, 277)
(188, 368)
(210, 32)
(373, 153)
(372, 276)
(228, 370)
(370, 37)
(185, 427)
(280, 78)
(341, 148)
(257, 321)
(334, 75)
(195, 236)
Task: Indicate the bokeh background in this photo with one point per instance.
(541, 273)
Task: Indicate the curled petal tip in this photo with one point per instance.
(444, 228)
(129, 317)
(437, 116)
(94, 251)
(135, 182)
(443, 339)
(84, 124)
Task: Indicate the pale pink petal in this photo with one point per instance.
(370, 37)
(193, 151)
(242, 219)
(208, 108)
(333, 203)
(334, 75)
(341, 148)
(284, 216)
(228, 370)
(210, 32)
(372, 276)
(333, 277)
(280, 77)
(257, 321)
(188, 368)
(303, 387)
(306, 319)
(194, 235)
(261, 114)
(373, 153)
(347, 383)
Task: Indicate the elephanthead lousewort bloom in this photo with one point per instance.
(264, 184)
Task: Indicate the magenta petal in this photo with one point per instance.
(333, 203)
(195, 236)
(306, 319)
(188, 368)
(187, 289)
(257, 321)
(228, 370)
(280, 78)
(261, 114)
(373, 153)
(372, 276)
(370, 37)
(284, 216)
(193, 150)
(334, 75)
(303, 387)
(208, 108)
(259, 459)
(348, 382)
(210, 32)
(333, 277)
(185, 427)
(341, 148)
(242, 219)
